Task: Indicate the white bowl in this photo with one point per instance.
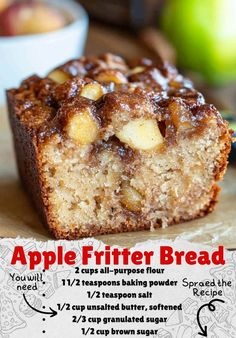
(22, 56)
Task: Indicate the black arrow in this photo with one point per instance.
(212, 308)
(52, 313)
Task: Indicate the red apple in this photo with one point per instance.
(30, 17)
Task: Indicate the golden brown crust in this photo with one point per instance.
(156, 85)
(28, 162)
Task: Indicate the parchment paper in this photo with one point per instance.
(18, 218)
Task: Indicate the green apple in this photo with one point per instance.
(204, 34)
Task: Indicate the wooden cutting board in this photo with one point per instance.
(18, 218)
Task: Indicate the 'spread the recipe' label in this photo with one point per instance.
(89, 289)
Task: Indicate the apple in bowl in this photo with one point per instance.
(30, 17)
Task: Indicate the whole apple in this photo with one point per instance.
(204, 34)
(30, 17)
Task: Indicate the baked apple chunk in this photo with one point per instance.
(141, 134)
(105, 145)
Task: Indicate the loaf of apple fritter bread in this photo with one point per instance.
(104, 145)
